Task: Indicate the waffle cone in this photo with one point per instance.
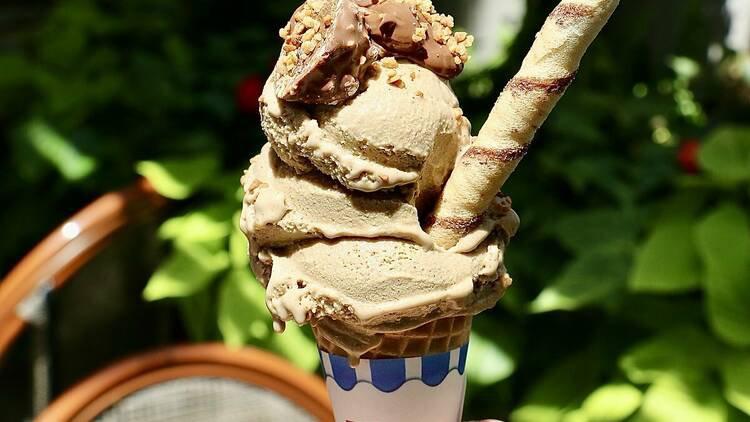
(439, 336)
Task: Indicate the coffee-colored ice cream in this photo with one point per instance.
(392, 134)
(337, 203)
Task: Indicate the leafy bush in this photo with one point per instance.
(633, 259)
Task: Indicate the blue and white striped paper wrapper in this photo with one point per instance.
(427, 388)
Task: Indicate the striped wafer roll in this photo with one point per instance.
(523, 106)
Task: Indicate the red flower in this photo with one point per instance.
(247, 94)
(688, 156)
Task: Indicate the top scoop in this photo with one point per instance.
(329, 45)
(336, 203)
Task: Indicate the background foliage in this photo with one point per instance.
(631, 298)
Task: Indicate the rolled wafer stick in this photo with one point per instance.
(523, 106)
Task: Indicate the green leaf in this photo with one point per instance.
(596, 229)
(723, 239)
(590, 278)
(682, 206)
(189, 269)
(487, 362)
(238, 249)
(296, 347)
(548, 401)
(576, 415)
(179, 178)
(72, 164)
(612, 402)
(658, 313)
(668, 261)
(736, 374)
(679, 349)
(198, 315)
(684, 398)
(16, 70)
(726, 154)
(244, 319)
(685, 67)
(203, 224)
(242, 314)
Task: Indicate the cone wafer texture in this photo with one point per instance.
(547, 71)
(439, 336)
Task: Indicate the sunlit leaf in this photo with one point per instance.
(736, 374)
(683, 397)
(241, 307)
(726, 154)
(296, 347)
(612, 402)
(668, 261)
(238, 251)
(680, 349)
(685, 67)
(179, 178)
(202, 224)
(723, 239)
(576, 415)
(590, 278)
(189, 269)
(547, 401)
(487, 363)
(72, 164)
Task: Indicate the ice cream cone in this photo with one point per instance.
(416, 374)
(440, 336)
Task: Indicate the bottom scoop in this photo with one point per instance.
(360, 285)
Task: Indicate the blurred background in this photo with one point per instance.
(631, 299)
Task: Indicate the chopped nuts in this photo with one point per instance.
(389, 63)
(440, 28)
(303, 34)
(308, 46)
(309, 22)
(316, 5)
(420, 34)
(394, 78)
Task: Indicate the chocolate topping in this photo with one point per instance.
(330, 45)
(333, 70)
(393, 26)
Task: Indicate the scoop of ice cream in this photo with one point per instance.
(360, 263)
(329, 45)
(282, 207)
(404, 128)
